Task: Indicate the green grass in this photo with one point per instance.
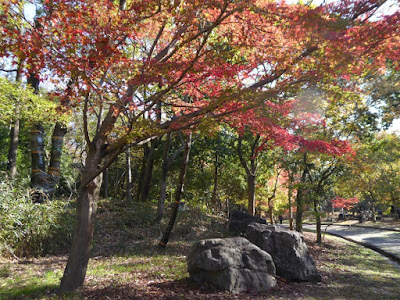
(138, 269)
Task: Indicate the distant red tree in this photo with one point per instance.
(348, 203)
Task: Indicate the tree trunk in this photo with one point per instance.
(299, 197)
(45, 183)
(251, 193)
(57, 141)
(290, 191)
(251, 174)
(163, 181)
(86, 206)
(271, 211)
(317, 222)
(179, 191)
(38, 175)
(14, 136)
(129, 176)
(13, 149)
(299, 212)
(142, 172)
(148, 171)
(214, 199)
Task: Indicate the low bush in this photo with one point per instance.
(28, 229)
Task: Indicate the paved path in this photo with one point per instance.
(385, 241)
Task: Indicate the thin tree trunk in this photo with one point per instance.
(86, 206)
(148, 171)
(14, 136)
(251, 193)
(163, 181)
(299, 197)
(214, 199)
(129, 176)
(179, 191)
(318, 222)
(142, 172)
(13, 149)
(290, 192)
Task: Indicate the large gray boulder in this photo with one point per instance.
(288, 250)
(232, 264)
(239, 220)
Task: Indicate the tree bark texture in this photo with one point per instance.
(318, 221)
(45, 183)
(179, 191)
(251, 174)
(251, 193)
(88, 195)
(299, 196)
(148, 174)
(142, 173)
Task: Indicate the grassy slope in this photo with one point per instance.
(127, 264)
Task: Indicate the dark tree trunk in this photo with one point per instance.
(299, 197)
(251, 193)
(251, 174)
(318, 222)
(148, 171)
(179, 191)
(214, 199)
(13, 149)
(142, 172)
(88, 195)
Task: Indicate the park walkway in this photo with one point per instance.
(384, 240)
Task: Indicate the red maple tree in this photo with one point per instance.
(144, 68)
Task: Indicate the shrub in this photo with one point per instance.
(28, 229)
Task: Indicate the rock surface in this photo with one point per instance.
(238, 221)
(232, 264)
(288, 250)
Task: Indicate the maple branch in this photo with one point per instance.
(157, 39)
(221, 17)
(252, 155)
(85, 121)
(240, 153)
(9, 71)
(278, 172)
(278, 74)
(365, 8)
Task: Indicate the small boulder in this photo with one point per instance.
(232, 264)
(239, 220)
(288, 250)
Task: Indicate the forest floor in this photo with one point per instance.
(127, 264)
